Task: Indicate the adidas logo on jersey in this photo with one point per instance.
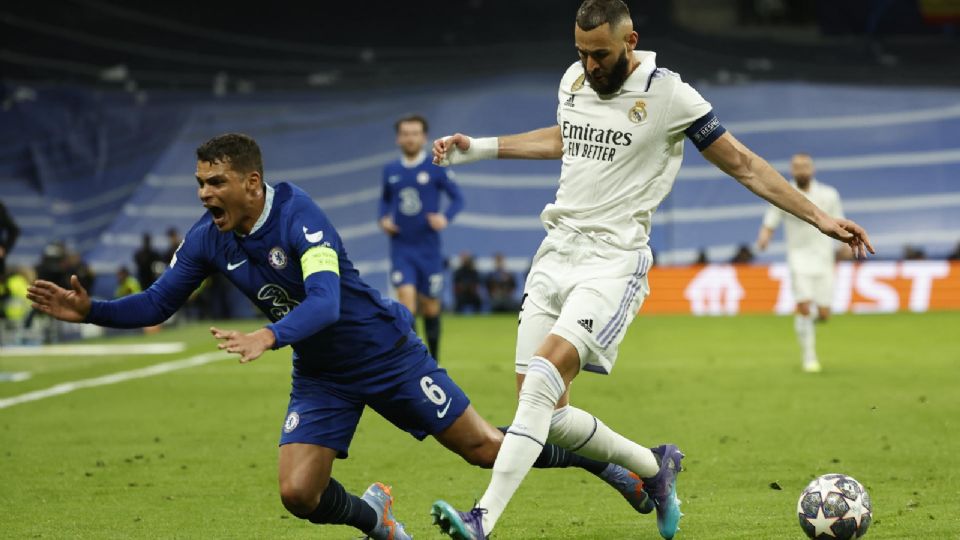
(569, 101)
(587, 324)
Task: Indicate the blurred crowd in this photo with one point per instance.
(58, 262)
(473, 291)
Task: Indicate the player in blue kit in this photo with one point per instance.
(410, 215)
(352, 348)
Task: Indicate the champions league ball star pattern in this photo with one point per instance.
(834, 506)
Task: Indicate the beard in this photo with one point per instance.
(608, 83)
(802, 181)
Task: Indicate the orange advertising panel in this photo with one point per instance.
(870, 287)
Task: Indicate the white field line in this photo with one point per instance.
(114, 378)
(93, 350)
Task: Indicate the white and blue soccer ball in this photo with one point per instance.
(836, 507)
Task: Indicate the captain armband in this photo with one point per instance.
(705, 130)
(319, 259)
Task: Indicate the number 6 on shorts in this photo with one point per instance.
(433, 392)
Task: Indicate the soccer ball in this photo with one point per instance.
(834, 506)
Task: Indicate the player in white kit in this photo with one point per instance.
(621, 123)
(810, 255)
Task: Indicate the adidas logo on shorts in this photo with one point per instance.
(587, 324)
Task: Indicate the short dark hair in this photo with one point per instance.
(411, 118)
(594, 13)
(241, 151)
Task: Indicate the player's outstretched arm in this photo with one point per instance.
(544, 143)
(59, 303)
(738, 161)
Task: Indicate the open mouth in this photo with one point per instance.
(219, 215)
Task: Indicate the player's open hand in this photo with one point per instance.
(445, 147)
(54, 300)
(851, 234)
(248, 346)
(438, 222)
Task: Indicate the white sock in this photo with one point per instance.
(806, 335)
(580, 432)
(541, 390)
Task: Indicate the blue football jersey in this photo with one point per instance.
(412, 192)
(268, 266)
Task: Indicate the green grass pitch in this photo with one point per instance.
(192, 453)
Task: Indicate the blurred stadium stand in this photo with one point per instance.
(105, 103)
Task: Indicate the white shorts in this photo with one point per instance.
(816, 288)
(584, 290)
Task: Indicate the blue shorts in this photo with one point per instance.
(425, 272)
(424, 401)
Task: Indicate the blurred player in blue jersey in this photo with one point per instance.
(410, 215)
(352, 348)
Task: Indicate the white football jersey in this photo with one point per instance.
(621, 153)
(808, 250)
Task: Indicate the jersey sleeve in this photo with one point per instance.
(772, 217)
(317, 246)
(693, 116)
(386, 197)
(450, 187)
(188, 268)
(686, 107)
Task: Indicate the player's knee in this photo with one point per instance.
(803, 309)
(431, 308)
(543, 386)
(300, 499)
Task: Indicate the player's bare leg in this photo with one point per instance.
(430, 308)
(309, 492)
(407, 295)
(806, 336)
(472, 438)
(823, 314)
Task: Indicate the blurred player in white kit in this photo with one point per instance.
(810, 255)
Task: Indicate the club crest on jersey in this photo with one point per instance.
(277, 258)
(423, 177)
(291, 423)
(638, 113)
(578, 84)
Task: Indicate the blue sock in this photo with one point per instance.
(556, 457)
(431, 327)
(337, 507)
